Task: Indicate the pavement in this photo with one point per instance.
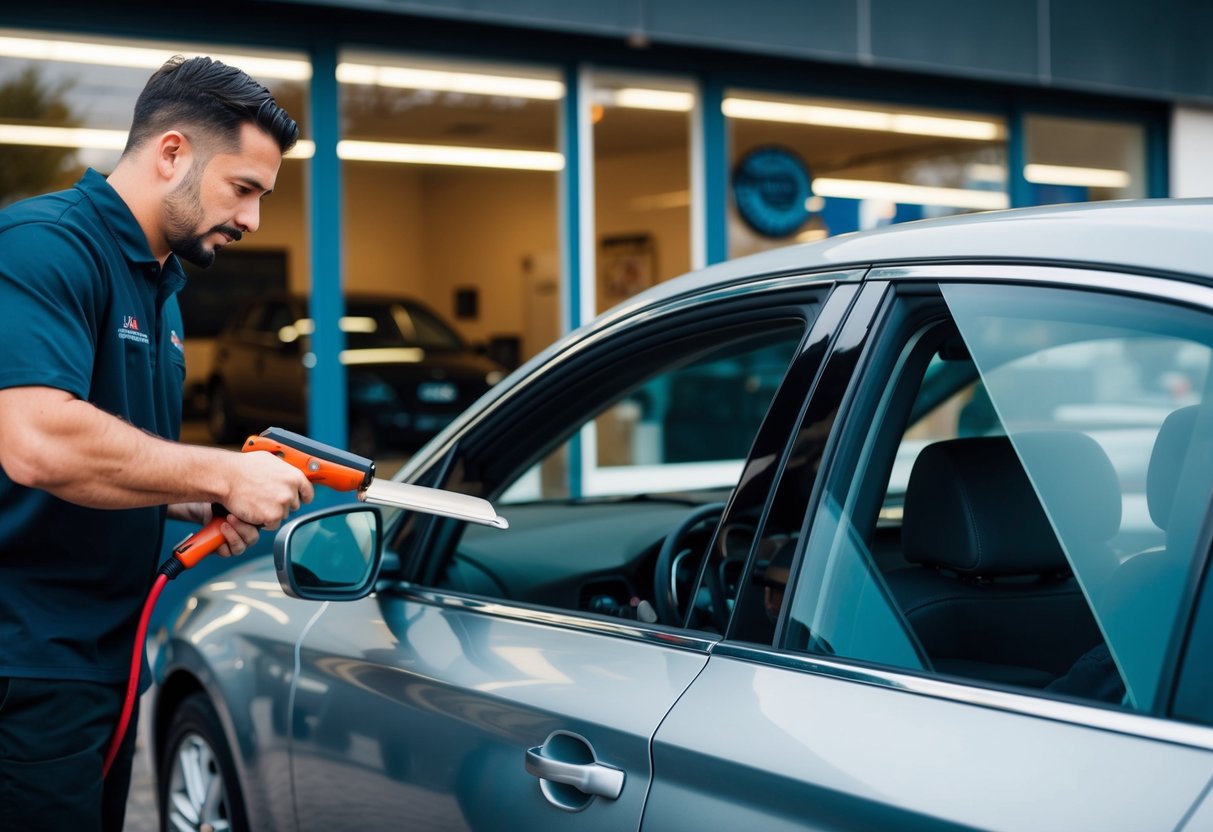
(141, 812)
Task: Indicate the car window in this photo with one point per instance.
(423, 328)
(278, 317)
(595, 467)
(685, 428)
(251, 320)
(1014, 504)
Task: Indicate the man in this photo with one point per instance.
(91, 372)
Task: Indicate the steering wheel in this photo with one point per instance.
(671, 609)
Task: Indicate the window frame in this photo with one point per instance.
(431, 539)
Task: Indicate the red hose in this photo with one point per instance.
(132, 684)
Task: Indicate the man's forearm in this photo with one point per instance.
(60, 444)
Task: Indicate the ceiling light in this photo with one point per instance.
(855, 119)
(37, 136)
(141, 57)
(429, 154)
(417, 154)
(645, 99)
(987, 172)
(444, 81)
(911, 194)
(661, 202)
(1080, 177)
(382, 355)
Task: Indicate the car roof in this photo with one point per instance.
(1155, 236)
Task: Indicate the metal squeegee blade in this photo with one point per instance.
(434, 501)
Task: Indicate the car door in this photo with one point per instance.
(514, 680)
(990, 583)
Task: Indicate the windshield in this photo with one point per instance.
(396, 325)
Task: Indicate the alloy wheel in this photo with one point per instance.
(197, 795)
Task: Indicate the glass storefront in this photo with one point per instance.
(452, 174)
(449, 173)
(1082, 160)
(802, 169)
(642, 182)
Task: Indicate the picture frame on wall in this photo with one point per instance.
(627, 265)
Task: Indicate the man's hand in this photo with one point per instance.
(263, 490)
(240, 536)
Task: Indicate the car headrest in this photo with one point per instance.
(971, 508)
(1166, 462)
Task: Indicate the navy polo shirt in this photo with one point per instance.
(86, 308)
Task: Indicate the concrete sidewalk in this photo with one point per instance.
(141, 812)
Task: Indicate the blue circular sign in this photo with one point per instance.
(771, 186)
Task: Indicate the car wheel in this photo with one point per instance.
(198, 785)
(219, 418)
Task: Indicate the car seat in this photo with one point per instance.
(989, 593)
(1138, 622)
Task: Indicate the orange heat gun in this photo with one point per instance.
(321, 464)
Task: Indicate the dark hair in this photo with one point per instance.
(213, 96)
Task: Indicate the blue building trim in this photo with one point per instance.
(716, 173)
(1158, 160)
(327, 405)
(570, 219)
(1019, 190)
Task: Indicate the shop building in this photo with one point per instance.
(522, 165)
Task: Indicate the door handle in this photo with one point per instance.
(567, 761)
(590, 778)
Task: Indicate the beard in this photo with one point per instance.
(183, 213)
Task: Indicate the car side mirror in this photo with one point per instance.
(330, 555)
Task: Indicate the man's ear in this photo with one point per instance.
(173, 154)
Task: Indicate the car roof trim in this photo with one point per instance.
(1196, 294)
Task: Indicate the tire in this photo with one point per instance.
(198, 787)
(220, 420)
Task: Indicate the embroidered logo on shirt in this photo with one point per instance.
(175, 339)
(130, 330)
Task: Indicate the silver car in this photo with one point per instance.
(899, 530)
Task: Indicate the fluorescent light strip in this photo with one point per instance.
(139, 57)
(443, 81)
(637, 98)
(417, 154)
(953, 128)
(427, 154)
(910, 194)
(382, 355)
(28, 134)
(1081, 177)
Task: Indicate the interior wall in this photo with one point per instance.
(284, 223)
(481, 228)
(652, 177)
(381, 222)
